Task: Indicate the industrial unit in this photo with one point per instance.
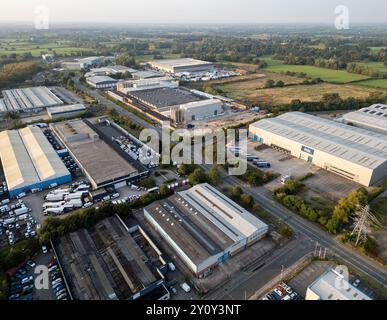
(29, 99)
(109, 70)
(84, 63)
(133, 85)
(204, 227)
(98, 161)
(102, 82)
(162, 99)
(182, 65)
(29, 161)
(66, 111)
(198, 110)
(110, 261)
(373, 118)
(332, 285)
(356, 154)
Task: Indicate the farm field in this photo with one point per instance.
(285, 95)
(378, 66)
(376, 49)
(245, 85)
(8, 47)
(328, 75)
(377, 83)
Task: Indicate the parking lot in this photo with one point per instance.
(16, 222)
(22, 282)
(313, 271)
(324, 183)
(307, 276)
(280, 163)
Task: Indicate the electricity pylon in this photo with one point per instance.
(364, 221)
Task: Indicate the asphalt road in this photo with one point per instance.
(103, 100)
(244, 285)
(306, 229)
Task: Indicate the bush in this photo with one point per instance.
(197, 177)
(291, 187)
(14, 255)
(255, 177)
(213, 175)
(186, 169)
(147, 183)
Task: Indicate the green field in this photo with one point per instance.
(378, 66)
(328, 75)
(378, 83)
(8, 46)
(375, 49)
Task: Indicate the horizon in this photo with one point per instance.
(193, 12)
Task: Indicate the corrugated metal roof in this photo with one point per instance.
(229, 217)
(45, 159)
(28, 158)
(374, 116)
(362, 147)
(18, 168)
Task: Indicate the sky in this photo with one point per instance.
(193, 11)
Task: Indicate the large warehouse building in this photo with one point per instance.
(372, 118)
(29, 161)
(198, 110)
(356, 154)
(98, 161)
(29, 99)
(133, 85)
(332, 286)
(182, 65)
(102, 82)
(204, 227)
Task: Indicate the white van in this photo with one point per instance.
(185, 287)
(21, 195)
(171, 266)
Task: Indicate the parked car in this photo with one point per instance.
(356, 283)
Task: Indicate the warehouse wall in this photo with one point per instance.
(342, 167)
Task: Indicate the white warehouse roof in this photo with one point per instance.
(18, 168)
(199, 104)
(228, 214)
(101, 80)
(373, 118)
(363, 147)
(326, 288)
(28, 158)
(184, 62)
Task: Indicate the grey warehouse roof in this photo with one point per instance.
(30, 98)
(166, 97)
(374, 116)
(204, 222)
(64, 109)
(363, 147)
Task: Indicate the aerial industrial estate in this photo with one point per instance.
(116, 214)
